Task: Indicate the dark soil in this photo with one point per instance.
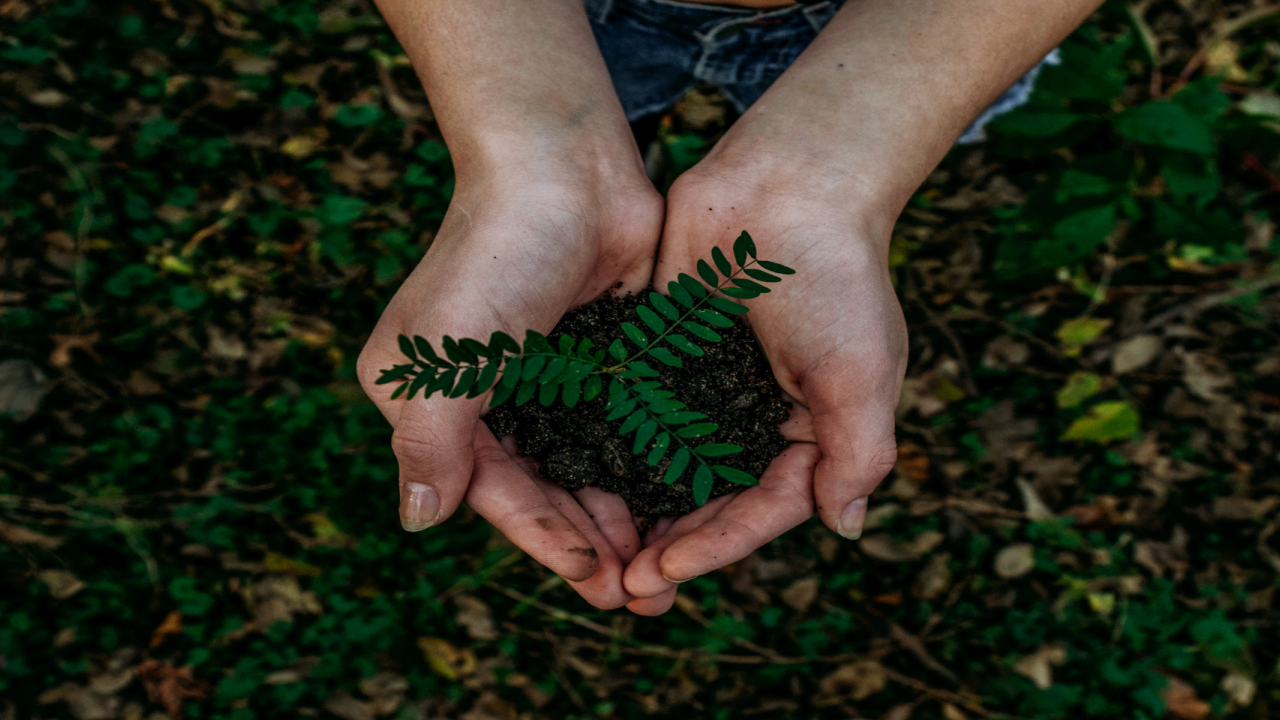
(576, 447)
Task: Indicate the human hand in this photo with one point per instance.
(835, 336)
(515, 251)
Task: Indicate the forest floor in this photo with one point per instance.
(205, 205)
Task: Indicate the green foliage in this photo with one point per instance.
(573, 371)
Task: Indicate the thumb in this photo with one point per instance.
(432, 442)
(858, 450)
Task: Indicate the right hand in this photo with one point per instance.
(515, 251)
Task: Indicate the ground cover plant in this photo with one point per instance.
(205, 205)
(572, 370)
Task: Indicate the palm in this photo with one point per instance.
(488, 270)
(835, 336)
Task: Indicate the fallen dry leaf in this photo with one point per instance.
(170, 687)
(62, 584)
(934, 579)
(347, 707)
(801, 594)
(1181, 702)
(1038, 666)
(1134, 353)
(172, 625)
(447, 660)
(474, 616)
(83, 703)
(19, 535)
(858, 681)
(883, 547)
(277, 598)
(1015, 560)
(22, 387)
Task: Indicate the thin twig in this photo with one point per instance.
(1189, 311)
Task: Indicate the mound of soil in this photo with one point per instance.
(576, 447)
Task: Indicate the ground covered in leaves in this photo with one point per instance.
(204, 205)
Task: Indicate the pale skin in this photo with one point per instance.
(550, 185)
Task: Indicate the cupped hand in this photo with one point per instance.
(836, 338)
(514, 252)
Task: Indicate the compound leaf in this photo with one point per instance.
(551, 374)
(680, 418)
(739, 293)
(474, 347)
(659, 449)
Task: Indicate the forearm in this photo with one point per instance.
(883, 92)
(515, 83)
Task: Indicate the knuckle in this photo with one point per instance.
(881, 460)
(420, 447)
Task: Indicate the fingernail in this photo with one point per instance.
(851, 520)
(675, 582)
(419, 506)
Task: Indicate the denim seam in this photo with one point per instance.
(606, 9)
(811, 11)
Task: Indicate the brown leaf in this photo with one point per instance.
(1135, 352)
(62, 584)
(277, 598)
(883, 547)
(801, 594)
(858, 680)
(475, 617)
(170, 687)
(83, 703)
(934, 579)
(64, 344)
(19, 535)
(22, 387)
(1181, 702)
(1038, 666)
(347, 707)
(447, 660)
(172, 625)
(1015, 560)
(1242, 508)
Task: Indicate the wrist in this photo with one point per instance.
(789, 194)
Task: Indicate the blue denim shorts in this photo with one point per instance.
(657, 49)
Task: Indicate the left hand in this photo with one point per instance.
(835, 336)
